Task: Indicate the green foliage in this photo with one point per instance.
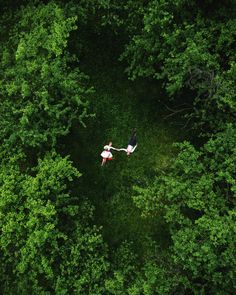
(184, 241)
(47, 244)
(154, 275)
(197, 199)
(176, 42)
(125, 263)
(41, 92)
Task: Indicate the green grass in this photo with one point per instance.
(120, 105)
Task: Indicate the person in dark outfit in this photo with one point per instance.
(132, 144)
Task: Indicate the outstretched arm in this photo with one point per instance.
(134, 148)
(125, 150)
(112, 148)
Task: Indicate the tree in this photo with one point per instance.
(42, 90)
(154, 275)
(197, 199)
(189, 46)
(47, 242)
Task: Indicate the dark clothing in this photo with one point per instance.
(133, 140)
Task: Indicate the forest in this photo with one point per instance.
(76, 75)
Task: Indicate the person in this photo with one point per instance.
(132, 144)
(106, 154)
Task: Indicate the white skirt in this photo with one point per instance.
(106, 154)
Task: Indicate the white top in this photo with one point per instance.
(131, 148)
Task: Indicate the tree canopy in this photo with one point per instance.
(41, 93)
(77, 75)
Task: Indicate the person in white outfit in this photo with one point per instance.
(106, 154)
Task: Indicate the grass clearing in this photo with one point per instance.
(120, 105)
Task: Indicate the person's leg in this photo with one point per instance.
(132, 140)
(103, 162)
